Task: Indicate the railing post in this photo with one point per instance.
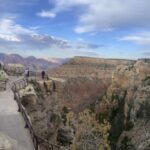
(36, 146)
(5, 84)
(36, 143)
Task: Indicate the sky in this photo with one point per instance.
(68, 28)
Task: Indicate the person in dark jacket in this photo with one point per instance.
(27, 73)
(43, 75)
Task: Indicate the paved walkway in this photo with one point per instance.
(11, 121)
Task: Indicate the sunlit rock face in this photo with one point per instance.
(28, 96)
(127, 106)
(14, 69)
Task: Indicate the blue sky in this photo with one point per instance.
(67, 28)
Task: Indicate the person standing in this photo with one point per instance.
(27, 73)
(43, 75)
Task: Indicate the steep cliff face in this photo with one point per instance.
(127, 106)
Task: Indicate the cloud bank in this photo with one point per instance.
(14, 37)
(138, 38)
(106, 15)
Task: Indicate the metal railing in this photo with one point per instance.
(19, 84)
(3, 85)
(37, 140)
(37, 75)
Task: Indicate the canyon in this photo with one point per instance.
(91, 104)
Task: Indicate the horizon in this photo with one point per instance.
(54, 59)
(66, 28)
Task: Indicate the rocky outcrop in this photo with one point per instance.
(14, 69)
(45, 113)
(65, 135)
(3, 76)
(126, 105)
(49, 86)
(139, 117)
(58, 84)
(29, 96)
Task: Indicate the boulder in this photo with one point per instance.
(14, 69)
(3, 76)
(48, 86)
(29, 96)
(65, 135)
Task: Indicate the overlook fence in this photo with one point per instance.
(3, 85)
(37, 140)
(37, 75)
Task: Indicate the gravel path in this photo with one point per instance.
(11, 121)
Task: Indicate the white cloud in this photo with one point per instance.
(16, 38)
(106, 15)
(51, 41)
(11, 38)
(46, 14)
(80, 39)
(139, 38)
(10, 31)
(8, 26)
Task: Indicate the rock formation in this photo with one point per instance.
(29, 97)
(90, 111)
(14, 69)
(126, 105)
(3, 76)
